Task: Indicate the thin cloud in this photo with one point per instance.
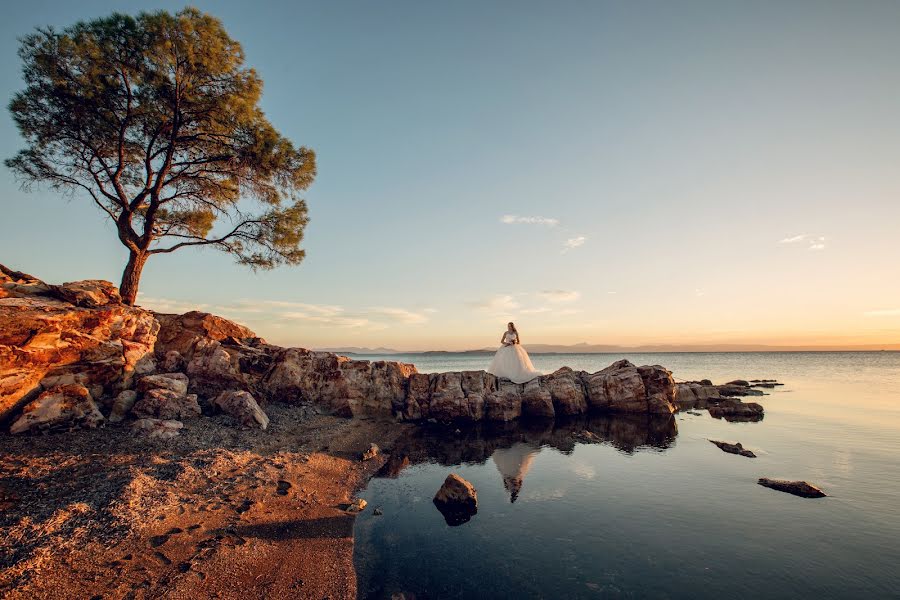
(557, 296)
(400, 315)
(815, 242)
(501, 303)
(535, 311)
(793, 239)
(885, 312)
(573, 243)
(518, 220)
(276, 312)
(331, 320)
(168, 305)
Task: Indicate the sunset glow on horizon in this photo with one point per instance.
(714, 175)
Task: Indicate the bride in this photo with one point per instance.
(511, 360)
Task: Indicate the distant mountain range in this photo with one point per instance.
(585, 348)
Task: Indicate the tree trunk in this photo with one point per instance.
(131, 277)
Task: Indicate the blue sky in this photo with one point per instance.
(604, 172)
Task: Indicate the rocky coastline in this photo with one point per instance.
(73, 355)
(187, 449)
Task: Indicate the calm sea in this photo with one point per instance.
(651, 509)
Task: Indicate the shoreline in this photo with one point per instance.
(222, 512)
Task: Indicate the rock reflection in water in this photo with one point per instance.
(514, 445)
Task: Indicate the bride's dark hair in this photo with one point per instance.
(516, 331)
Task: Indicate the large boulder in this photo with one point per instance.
(567, 391)
(617, 388)
(182, 332)
(504, 403)
(176, 382)
(122, 405)
(659, 387)
(62, 407)
(537, 400)
(461, 395)
(91, 293)
(243, 407)
(165, 404)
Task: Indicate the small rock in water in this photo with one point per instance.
(371, 453)
(457, 500)
(585, 436)
(798, 488)
(377, 512)
(734, 448)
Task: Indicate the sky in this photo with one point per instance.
(601, 172)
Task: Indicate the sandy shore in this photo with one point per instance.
(217, 512)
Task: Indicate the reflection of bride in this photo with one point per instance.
(511, 361)
(513, 464)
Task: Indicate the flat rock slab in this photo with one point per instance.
(733, 448)
(797, 488)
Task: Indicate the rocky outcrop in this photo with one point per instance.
(720, 400)
(732, 409)
(74, 333)
(181, 333)
(797, 488)
(690, 395)
(181, 365)
(477, 395)
(62, 407)
(457, 500)
(344, 386)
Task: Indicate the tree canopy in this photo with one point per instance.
(155, 118)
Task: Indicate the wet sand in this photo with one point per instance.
(218, 511)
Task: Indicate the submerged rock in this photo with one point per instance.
(734, 448)
(457, 500)
(61, 407)
(797, 488)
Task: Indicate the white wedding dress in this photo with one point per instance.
(512, 362)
